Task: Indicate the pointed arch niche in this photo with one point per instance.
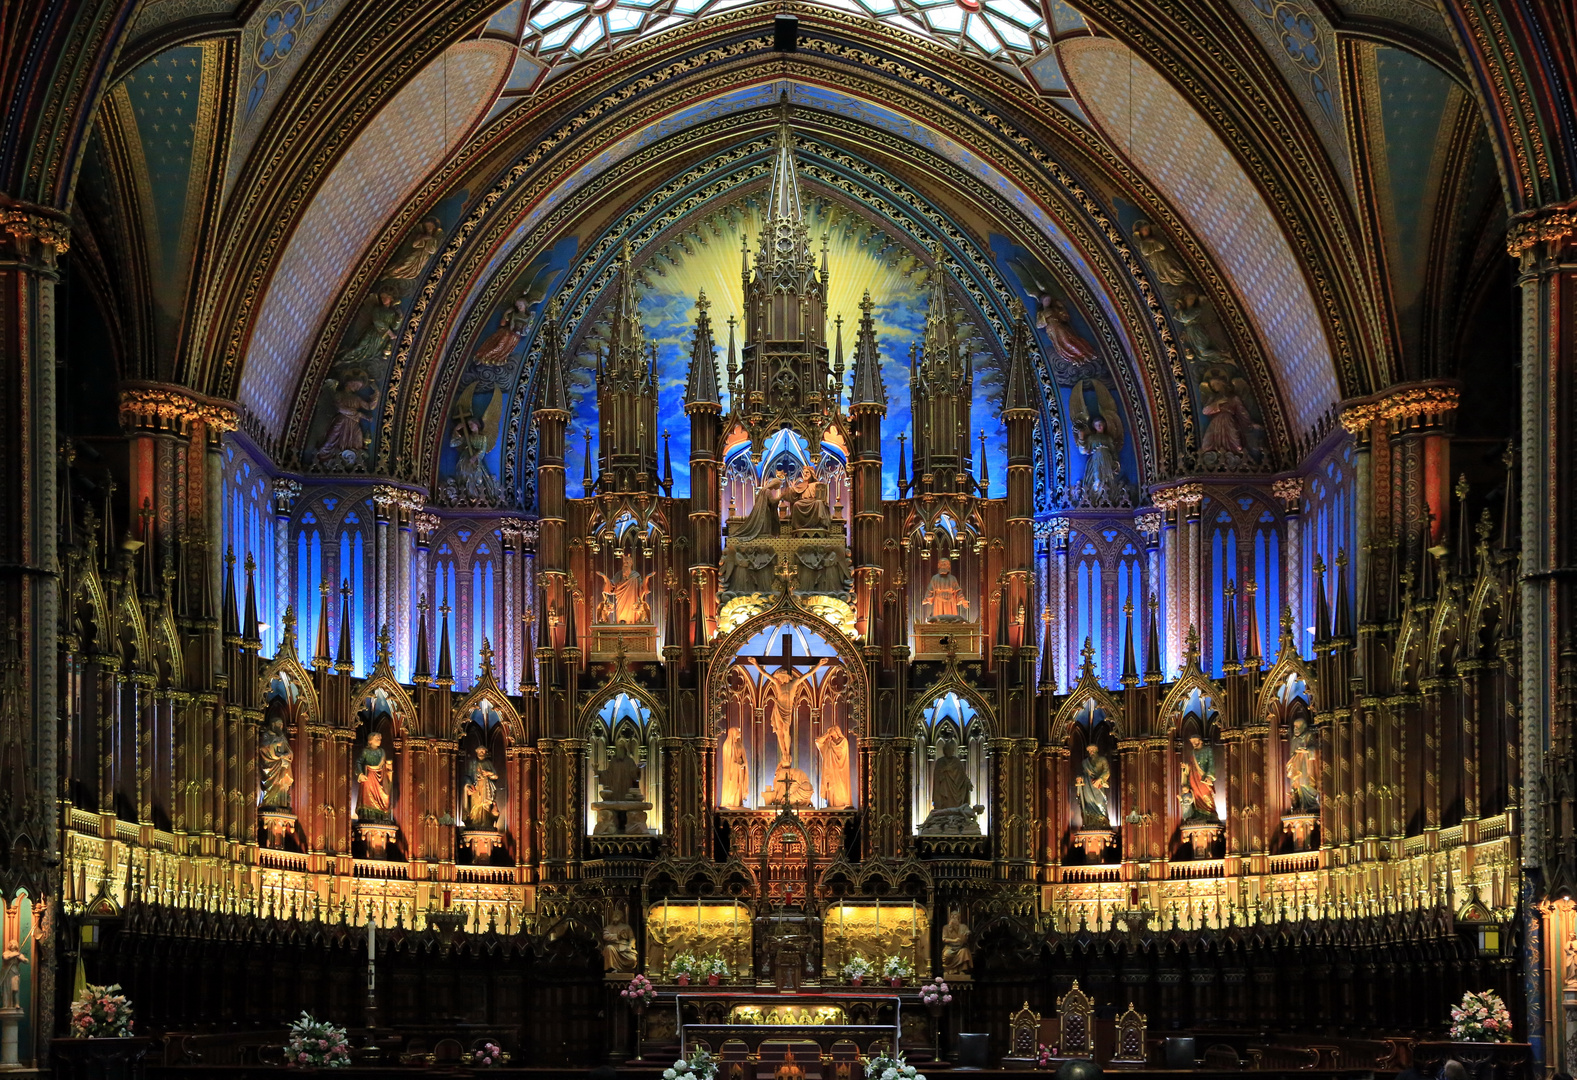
(488, 776)
(951, 713)
(624, 774)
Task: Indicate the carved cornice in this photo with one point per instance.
(173, 409)
(1431, 403)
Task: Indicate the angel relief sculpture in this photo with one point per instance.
(497, 348)
(1072, 355)
(473, 437)
(354, 397)
(1228, 438)
(1099, 437)
(420, 245)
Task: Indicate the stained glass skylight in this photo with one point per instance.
(553, 35)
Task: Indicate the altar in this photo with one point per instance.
(804, 1036)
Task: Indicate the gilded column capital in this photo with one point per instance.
(426, 525)
(286, 492)
(1289, 489)
(1184, 497)
(34, 234)
(1542, 234)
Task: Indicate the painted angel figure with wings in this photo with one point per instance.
(474, 436)
(1100, 439)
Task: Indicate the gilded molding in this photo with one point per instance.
(164, 408)
(34, 232)
(1181, 497)
(1433, 402)
(1550, 228)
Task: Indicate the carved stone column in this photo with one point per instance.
(32, 239)
(1059, 600)
(1290, 492)
(286, 492)
(1544, 242)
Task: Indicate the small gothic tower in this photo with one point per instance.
(787, 379)
(940, 386)
(627, 395)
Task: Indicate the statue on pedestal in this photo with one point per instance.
(763, 519)
(481, 792)
(1093, 783)
(1302, 768)
(944, 597)
(622, 810)
(618, 942)
(376, 773)
(809, 514)
(274, 758)
(951, 789)
(957, 959)
(1198, 783)
(626, 597)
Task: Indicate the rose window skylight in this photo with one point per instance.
(554, 35)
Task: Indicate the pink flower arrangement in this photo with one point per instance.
(316, 1044)
(487, 1056)
(935, 993)
(101, 1013)
(1043, 1055)
(640, 993)
(1482, 1017)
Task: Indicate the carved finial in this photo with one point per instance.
(1191, 646)
(383, 644)
(1088, 653)
(487, 657)
(1461, 490)
(324, 588)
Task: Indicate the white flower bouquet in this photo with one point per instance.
(698, 1066)
(897, 968)
(1482, 1017)
(857, 968)
(316, 1044)
(883, 1067)
(684, 967)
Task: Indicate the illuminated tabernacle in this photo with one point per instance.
(810, 540)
